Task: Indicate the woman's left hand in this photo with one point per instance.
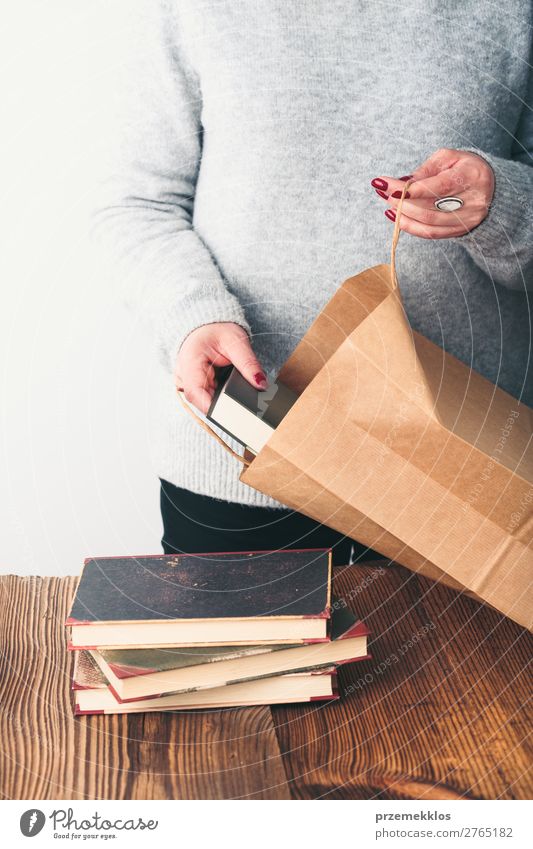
(446, 173)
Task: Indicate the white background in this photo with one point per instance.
(76, 371)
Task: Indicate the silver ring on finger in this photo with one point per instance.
(449, 204)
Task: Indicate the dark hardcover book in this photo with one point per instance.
(194, 669)
(223, 599)
(249, 415)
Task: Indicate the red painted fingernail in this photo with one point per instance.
(260, 378)
(378, 183)
(409, 177)
(391, 215)
(382, 194)
(399, 194)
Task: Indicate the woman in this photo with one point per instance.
(255, 145)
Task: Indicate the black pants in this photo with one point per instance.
(196, 523)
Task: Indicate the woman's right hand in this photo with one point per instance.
(219, 344)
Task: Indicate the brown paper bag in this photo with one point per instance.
(399, 445)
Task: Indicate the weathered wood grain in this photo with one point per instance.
(47, 753)
(443, 718)
(442, 712)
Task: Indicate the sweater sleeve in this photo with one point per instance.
(502, 245)
(142, 222)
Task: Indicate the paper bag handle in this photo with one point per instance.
(394, 284)
(396, 236)
(213, 433)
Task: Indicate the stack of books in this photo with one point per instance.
(196, 631)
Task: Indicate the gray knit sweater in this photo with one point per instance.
(237, 186)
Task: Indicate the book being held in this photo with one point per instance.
(225, 599)
(249, 415)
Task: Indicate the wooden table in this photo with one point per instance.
(440, 711)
